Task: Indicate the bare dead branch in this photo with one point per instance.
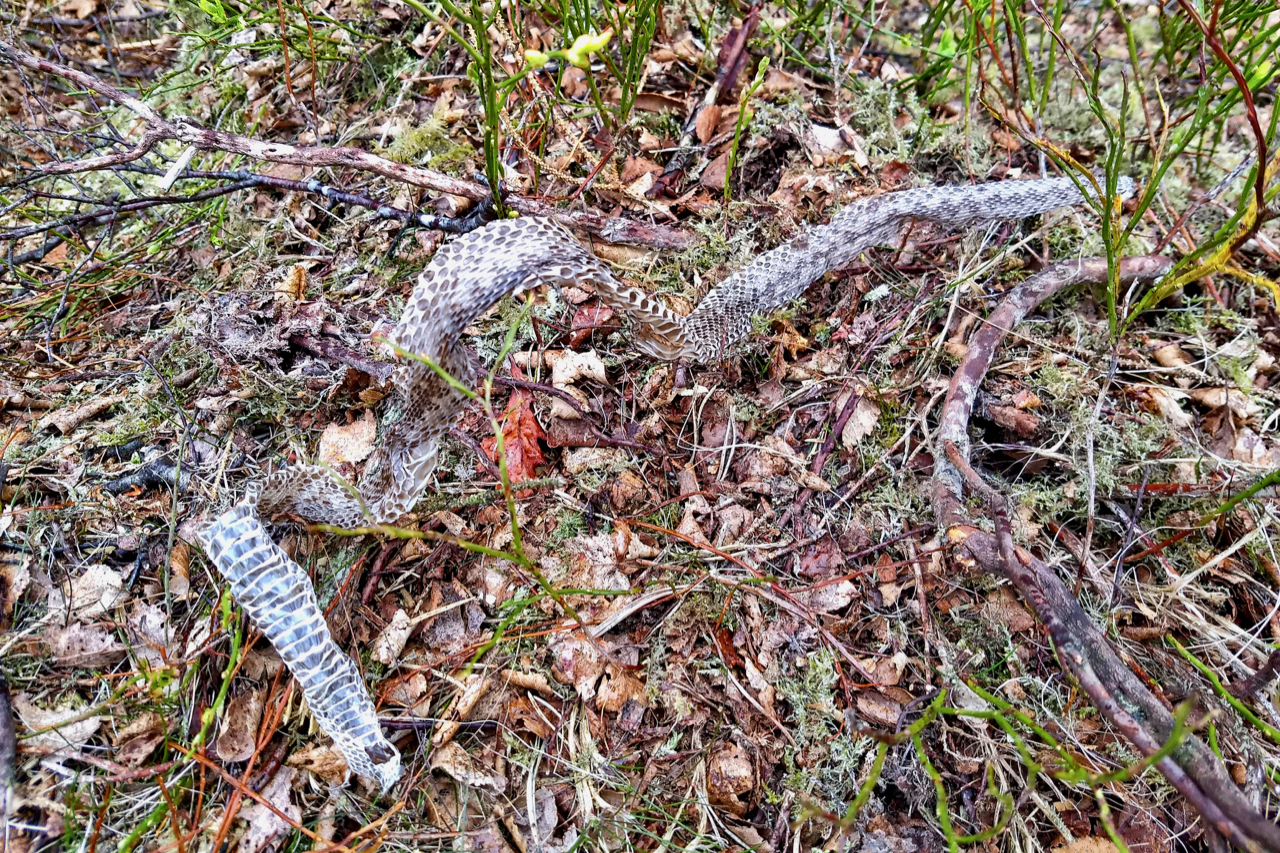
(954, 423)
(93, 164)
(1255, 683)
(1120, 696)
(108, 212)
(183, 129)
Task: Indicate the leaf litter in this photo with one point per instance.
(732, 631)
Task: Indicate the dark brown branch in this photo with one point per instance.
(182, 129)
(1120, 696)
(954, 423)
(1253, 684)
(339, 352)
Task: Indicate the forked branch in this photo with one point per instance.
(183, 129)
(1120, 696)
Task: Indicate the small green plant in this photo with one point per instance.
(743, 116)
(479, 18)
(214, 9)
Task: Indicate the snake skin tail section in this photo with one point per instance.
(279, 598)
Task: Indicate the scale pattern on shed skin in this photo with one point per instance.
(462, 281)
(279, 597)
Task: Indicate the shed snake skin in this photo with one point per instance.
(462, 281)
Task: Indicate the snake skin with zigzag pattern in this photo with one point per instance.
(462, 281)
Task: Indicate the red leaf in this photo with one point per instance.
(894, 173)
(520, 436)
(589, 317)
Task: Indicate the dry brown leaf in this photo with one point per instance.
(1005, 140)
(91, 594)
(878, 709)
(67, 727)
(83, 646)
(79, 9)
(1004, 608)
(865, 417)
(886, 671)
(390, 643)
(790, 338)
(579, 460)
(1240, 403)
(690, 528)
(1088, 845)
(325, 762)
(801, 190)
(713, 176)
(894, 172)
(407, 690)
(730, 774)
(238, 731)
(150, 635)
(535, 681)
(520, 436)
(458, 763)
(1025, 399)
(15, 577)
(648, 141)
(1021, 422)
(705, 125)
(66, 419)
(637, 167)
(1171, 355)
(889, 593)
(520, 713)
(348, 443)
(652, 102)
(827, 146)
(1251, 449)
(829, 597)
(575, 661)
(822, 559)
(475, 687)
(56, 256)
(1164, 402)
(588, 318)
(180, 570)
(573, 82)
(616, 689)
(731, 522)
(588, 562)
(262, 664)
(139, 739)
(264, 825)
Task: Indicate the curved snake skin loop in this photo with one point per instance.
(462, 281)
